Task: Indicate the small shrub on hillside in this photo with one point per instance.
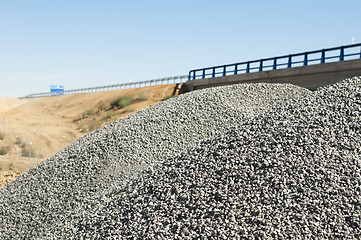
(82, 127)
(141, 96)
(122, 102)
(4, 150)
(102, 107)
(18, 141)
(93, 125)
(88, 112)
(89, 126)
(111, 114)
(25, 153)
(2, 136)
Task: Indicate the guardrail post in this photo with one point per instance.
(247, 69)
(289, 61)
(275, 63)
(323, 56)
(235, 69)
(305, 61)
(224, 70)
(261, 65)
(194, 75)
(214, 72)
(342, 54)
(204, 73)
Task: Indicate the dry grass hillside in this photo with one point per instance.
(32, 130)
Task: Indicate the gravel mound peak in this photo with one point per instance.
(50, 200)
(293, 172)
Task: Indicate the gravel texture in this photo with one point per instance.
(52, 199)
(293, 172)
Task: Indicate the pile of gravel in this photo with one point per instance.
(294, 172)
(48, 200)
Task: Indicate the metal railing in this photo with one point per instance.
(153, 82)
(342, 53)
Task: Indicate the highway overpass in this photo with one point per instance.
(309, 69)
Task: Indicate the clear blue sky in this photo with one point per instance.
(86, 43)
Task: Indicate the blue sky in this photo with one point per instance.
(87, 43)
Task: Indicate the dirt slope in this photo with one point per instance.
(41, 127)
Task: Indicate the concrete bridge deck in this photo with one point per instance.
(311, 76)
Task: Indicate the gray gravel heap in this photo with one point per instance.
(44, 200)
(294, 173)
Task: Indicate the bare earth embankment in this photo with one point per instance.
(41, 127)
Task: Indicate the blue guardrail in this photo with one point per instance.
(336, 54)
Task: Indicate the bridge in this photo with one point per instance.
(311, 69)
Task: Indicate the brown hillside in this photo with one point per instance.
(52, 123)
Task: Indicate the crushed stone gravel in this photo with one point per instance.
(290, 173)
(47, 201)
